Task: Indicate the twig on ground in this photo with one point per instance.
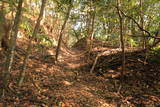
(94, 64)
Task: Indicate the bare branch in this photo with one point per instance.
(139, 26)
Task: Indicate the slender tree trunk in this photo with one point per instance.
(132, 27)
(142, 24)
(94, 64)
(10, 56)
(29, 48)
(88, 22)
(110, 27)
(92, 33)
(104, 28)
(91, 22)
(61, 32)
(121, 38)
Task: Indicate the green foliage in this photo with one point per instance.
(27, 27)
(44, 40)
(104, 37)
(132, 42)
(156, 51)
(155, 55)
(106, 24)
(62, 5)
(72, 41)
(12, 4)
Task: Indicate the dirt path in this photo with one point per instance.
(82, 89)
(103, 91)
(66, 84)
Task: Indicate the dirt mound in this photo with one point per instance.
(81, 44)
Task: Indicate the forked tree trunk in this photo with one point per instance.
(121, 38)
(61, 32)
(29, 48)
(10, 53)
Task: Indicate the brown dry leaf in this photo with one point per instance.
(1, 104)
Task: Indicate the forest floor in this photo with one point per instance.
(69, 83)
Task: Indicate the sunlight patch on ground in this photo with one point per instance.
(111, 73)
(67, 83)
(71, 65)
(104, 104)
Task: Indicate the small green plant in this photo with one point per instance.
(132, 42)
(44, 40)
(27, 27)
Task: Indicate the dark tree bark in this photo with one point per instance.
(61, 32)
(29, 48)
(10, 53)
(5, 28)
(2, 22)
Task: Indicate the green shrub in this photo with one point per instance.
(44, 40)
(155, 55)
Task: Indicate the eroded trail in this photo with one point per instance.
(82, 89)
(75, 58)
(70, 84)
(103, 90)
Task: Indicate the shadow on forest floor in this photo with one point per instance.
(70, 84)
(141, 84)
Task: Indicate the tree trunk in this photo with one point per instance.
(10, 53)
(1, 22)
(91, 33)
(29, 48)
(61, 32)
(4, 28)
(121, 38)
(142, 24)
(132, 27)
